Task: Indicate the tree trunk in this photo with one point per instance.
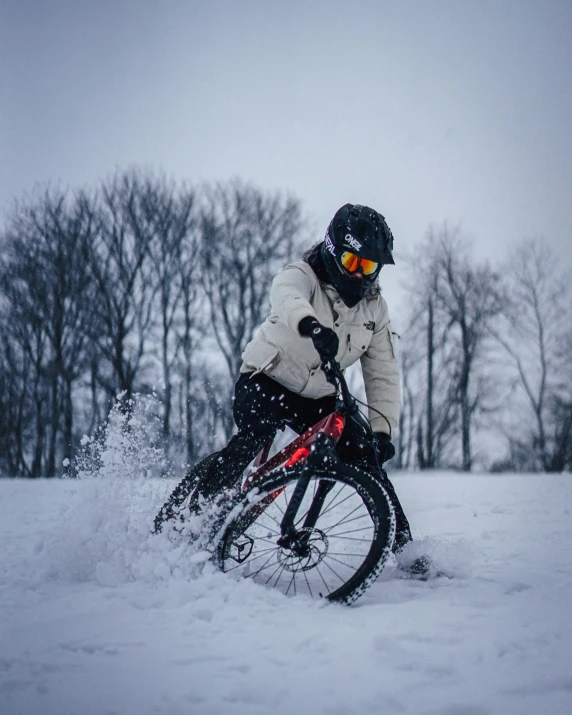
(465, 403)
(68, 421)
(51, 460)
(430, 430)
(36, 469)
(167, 380)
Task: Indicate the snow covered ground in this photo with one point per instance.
(98, 618)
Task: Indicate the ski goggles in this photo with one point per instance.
(352, 263)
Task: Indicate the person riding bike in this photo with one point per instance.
(326, 306)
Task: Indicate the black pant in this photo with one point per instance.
(261, 407)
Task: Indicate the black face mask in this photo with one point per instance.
(350, 288)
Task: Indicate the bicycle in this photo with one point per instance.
(281, 528)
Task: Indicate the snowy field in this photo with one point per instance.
(98, 618)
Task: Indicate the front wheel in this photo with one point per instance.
(345, 528)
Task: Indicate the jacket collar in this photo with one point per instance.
(339, 306)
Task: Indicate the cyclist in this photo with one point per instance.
(328, 305)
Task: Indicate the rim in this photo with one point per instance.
(337, 545)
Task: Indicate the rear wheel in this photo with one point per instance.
(175, 504)
(345, 528)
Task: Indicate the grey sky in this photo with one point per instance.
(424, 109)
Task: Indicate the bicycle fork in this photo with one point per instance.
(291, 537)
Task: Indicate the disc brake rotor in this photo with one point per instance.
(316, 543)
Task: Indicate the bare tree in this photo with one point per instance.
(430, 406)
(453, 301)
(438, 418)
(47, 285)
(120, 265)
(247, 237)
(26, 353)
(469, 295)
(168, 214)
(67, 230)
(560, 405)
(533, 334)
(405, 445)
(14, 404)
(190, 329)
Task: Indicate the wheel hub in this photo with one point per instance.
(304, 551)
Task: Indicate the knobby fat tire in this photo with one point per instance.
(176, 500)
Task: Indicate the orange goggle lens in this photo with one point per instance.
(351, 263)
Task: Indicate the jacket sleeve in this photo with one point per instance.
(381, 376)
(290, 296)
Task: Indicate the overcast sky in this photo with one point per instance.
(427, 110)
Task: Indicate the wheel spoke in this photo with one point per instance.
(359, 506)
(272, 574)
(333, 506)
(347, 521)
(265, 513)
(349, 538)
(334, 497)
(257, 525)
(292, 581)
(261, 538)
(344, 553)
(308, 584)
(343, 563)
(249, 559)
(331, 569)
(280, 574)
(252, 575)
(353, 531)
(323, 579)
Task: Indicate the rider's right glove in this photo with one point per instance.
(325, 340)
(384, 446)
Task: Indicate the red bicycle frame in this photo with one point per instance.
(296, 451)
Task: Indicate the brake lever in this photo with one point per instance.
(330, 371)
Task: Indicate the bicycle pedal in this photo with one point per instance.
(243, 546)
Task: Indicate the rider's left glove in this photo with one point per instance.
(384, 447)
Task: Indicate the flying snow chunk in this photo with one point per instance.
(200, 557)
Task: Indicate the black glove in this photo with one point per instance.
(325, 340)
(383, 446)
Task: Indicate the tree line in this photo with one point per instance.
(487, 352)
(146, 285)
(132, 288)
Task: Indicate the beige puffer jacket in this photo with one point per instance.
(364, 332)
